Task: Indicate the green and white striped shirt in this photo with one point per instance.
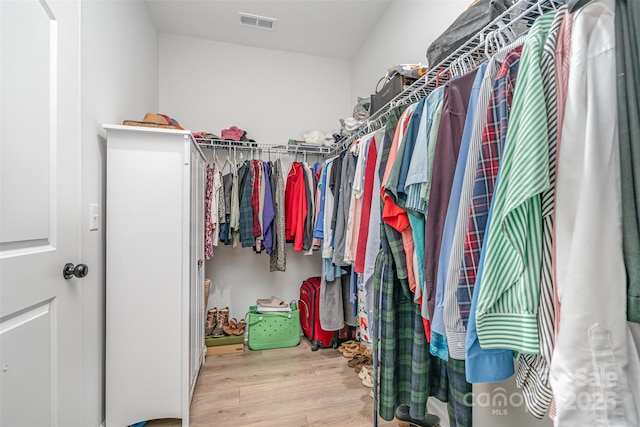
(506, 313)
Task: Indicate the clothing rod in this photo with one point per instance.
(263, 147)
(514, 22)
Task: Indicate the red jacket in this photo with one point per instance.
(295, 203)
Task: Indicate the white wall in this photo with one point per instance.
(119, 59)
(401, 37)
(273, 95)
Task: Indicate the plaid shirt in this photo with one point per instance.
(493, 137)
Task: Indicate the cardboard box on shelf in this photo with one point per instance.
(225, 349)
(225, 345)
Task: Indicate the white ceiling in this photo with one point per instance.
(330, 28)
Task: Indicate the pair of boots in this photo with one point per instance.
(216, 321)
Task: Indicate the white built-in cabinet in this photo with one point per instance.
(155, 309)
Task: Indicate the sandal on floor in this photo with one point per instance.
(349, 349)
(365, 361)
(272, 302)
(264, 301)
(347, 345)
(366, 370)
(354, 361)
(357, 349)
(367, 381)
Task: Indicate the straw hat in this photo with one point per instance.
(155, 121)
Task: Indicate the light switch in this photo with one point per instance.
(94, 216)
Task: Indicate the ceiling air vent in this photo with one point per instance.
(257, 21)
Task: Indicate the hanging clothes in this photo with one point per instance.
(454, 108)
(225, 228)
(215, 205)
(278, 259)
(259, 170)
(594, 337)
(367, 198)
(208, 226)
(268, 213)
(418, 179)
(234, 217)
(533, 370)
(628, 68)
(255, 201)
(439, 345)
(247, 236)
(309, 187)
(295, 205)
(347, 176)
(399, 319)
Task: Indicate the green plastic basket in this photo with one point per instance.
(273, 329)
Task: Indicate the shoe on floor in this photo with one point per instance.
(367, 381)
(366, 370)
(405, 420)
(230, 328)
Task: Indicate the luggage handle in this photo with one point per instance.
(305, 304)
(308, 314)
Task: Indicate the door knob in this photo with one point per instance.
(78, 271)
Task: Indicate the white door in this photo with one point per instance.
(39, 208)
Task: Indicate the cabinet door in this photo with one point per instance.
(196, 285)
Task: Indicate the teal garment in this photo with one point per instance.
(391, 186)
(418, 172)
(417, 231)
(407, 148)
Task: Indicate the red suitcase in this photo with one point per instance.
(309, 306)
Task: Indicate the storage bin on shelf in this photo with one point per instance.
(273, 329)
(225, 345)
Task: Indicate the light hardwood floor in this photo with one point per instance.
(279, 388)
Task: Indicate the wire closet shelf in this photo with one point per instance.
(266, 148)
(510, 25)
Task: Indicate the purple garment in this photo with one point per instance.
(455, 103)
(268, 212)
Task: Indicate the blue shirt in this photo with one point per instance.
(409, 143)
(318, 231)
(484, 366)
